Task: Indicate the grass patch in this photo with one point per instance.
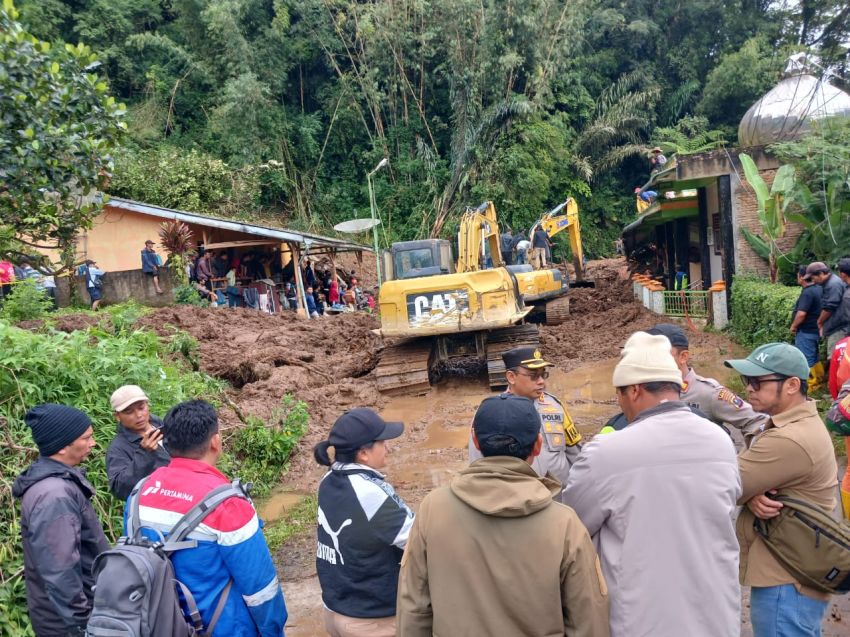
(298, 520)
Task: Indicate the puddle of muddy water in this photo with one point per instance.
(278, 504)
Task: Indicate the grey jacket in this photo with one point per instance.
(61, 535)
(833, 294)
(659, 499)
(127, 462)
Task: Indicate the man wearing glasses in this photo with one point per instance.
(794, 455)
(526, 373)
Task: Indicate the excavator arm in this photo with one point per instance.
(565, 217)
(478, 234)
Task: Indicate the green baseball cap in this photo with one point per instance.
(773, 358)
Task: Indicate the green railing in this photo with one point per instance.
(692, 303)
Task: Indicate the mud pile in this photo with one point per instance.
(601, 318)
(326, 362)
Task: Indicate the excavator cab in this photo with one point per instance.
(416, 259)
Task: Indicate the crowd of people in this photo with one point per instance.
(14, 273)
(648, 529)
(533, 248)
(227, 278)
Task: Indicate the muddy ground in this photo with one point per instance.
(328, 363)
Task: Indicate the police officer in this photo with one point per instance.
(526, 373)
(716, 402)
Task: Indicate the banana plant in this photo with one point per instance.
(771, 210)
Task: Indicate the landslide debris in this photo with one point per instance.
(326, 362)
(600, 321)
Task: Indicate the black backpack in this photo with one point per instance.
(136, 592)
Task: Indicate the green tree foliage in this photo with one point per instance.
(59, 127)
(818, 191)
(457, 94)
(738, 81)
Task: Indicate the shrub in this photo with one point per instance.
(27, 302)
(761, 311)
(187, 295)
(80, 369)
(261, 450)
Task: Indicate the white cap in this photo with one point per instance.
(125, 396)
(646, 358)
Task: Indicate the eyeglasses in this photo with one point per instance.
(756, 381)
(535, 376)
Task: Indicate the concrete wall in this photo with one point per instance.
(120, 286)
(745, 210)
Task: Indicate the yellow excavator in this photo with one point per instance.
(458, 317)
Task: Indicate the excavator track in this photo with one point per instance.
(404, 367)
(557, 310)
(499, 341)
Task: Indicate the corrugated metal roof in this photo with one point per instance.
(283, 234)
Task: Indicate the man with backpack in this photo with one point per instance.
(231, 561)
(793, 456)
(94, 281)
(60, 531)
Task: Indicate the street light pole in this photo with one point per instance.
(373, 207)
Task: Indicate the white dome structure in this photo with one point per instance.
(786, 110)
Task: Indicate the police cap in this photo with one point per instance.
(528, 357)
(675, 334)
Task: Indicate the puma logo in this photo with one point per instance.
(323, 522)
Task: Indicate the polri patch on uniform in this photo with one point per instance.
(730, 397)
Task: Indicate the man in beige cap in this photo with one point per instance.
(831, 322)
(137, 448)
(659, 499)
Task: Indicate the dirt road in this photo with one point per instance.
(434, 445)
(328, 363)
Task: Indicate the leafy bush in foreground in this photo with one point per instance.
(761, 311)
(26, 303)
(80, 369)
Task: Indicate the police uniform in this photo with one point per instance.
(721, 405)
(560, 437)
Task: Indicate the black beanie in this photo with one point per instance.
(54, 427)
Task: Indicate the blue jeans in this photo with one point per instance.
(807, 342)
(780, 611)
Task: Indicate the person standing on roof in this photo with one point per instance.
(715, 402)
(526, 373)
(363, 527)
(658, 160)
(540, 244)
(231, 561)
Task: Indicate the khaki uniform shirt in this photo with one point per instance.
(795, 456)
(721, 405)
(560, 441)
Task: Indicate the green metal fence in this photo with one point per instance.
(693, 303)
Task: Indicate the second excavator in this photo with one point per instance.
(456, 319)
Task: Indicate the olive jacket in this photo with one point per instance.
(493, 554)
